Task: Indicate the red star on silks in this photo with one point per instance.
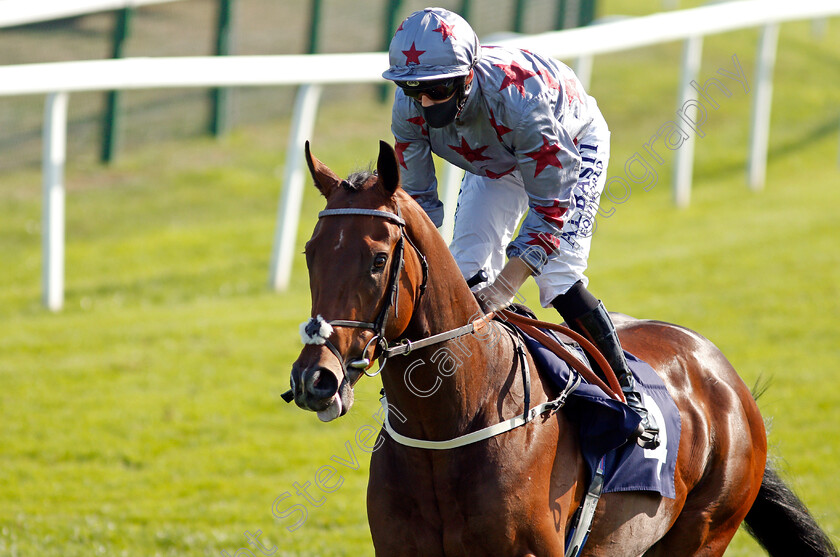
(571, 90)
(412, 55)
(420, 121)
(548, 242)
(515, 75)
(553, 213)
(545, 156)
(445, 31)
(493, 176)
(400, 28)
(400, 148)
(549, 79)
(472, 155)
(500, 129)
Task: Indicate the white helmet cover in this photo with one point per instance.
(432, 44)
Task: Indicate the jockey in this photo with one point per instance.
(532, 143)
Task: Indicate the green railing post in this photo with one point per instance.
(466, 10)
(110, 124)
(560, 22)
(518, 16)
(220, 96)
(314, 26)
(587, 12)
(391, 12)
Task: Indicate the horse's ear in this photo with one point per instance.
(325, 179)
(388, 168)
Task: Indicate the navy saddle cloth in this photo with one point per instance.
(604, 425)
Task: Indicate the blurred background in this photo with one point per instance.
(144, 418)
(192, 28)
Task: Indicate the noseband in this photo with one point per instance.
(314, 331)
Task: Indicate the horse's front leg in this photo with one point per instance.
(566, 487)
(401, 523)
(544, 486)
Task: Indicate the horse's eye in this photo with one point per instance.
(380, 260)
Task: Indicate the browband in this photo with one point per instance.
(364, 212)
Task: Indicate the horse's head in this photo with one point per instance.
(364, 280)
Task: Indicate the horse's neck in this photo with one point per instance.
(442, 388)
(447, 303)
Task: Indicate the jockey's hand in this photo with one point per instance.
(502, 292)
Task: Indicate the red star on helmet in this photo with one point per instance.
(553, 213)
(545, 156)
(419, 121)
(472, 155)
(500, 129)
(515, 75)
(400, 148)
(412, 55)
(445, 30)
(548, 242)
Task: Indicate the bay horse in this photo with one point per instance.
(382, 280)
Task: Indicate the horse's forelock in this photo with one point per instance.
(357, 180)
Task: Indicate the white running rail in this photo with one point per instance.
(23, 12)
(58, 79)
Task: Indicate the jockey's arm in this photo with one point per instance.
(414, 155)
(549, 163)
(502, 292)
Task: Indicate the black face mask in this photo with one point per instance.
(443, 114)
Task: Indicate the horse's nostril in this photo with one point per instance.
(321, 384)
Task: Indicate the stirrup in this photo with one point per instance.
(649, 439)
(647, 434)
(646, 437)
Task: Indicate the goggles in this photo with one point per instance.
(437, 90)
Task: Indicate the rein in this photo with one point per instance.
(318, 330)
(532, 328)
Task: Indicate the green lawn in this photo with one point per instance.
(145, 417)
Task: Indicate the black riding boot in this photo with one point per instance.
(598, 328)
(586, 315)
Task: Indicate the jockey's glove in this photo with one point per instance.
(502, 292)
